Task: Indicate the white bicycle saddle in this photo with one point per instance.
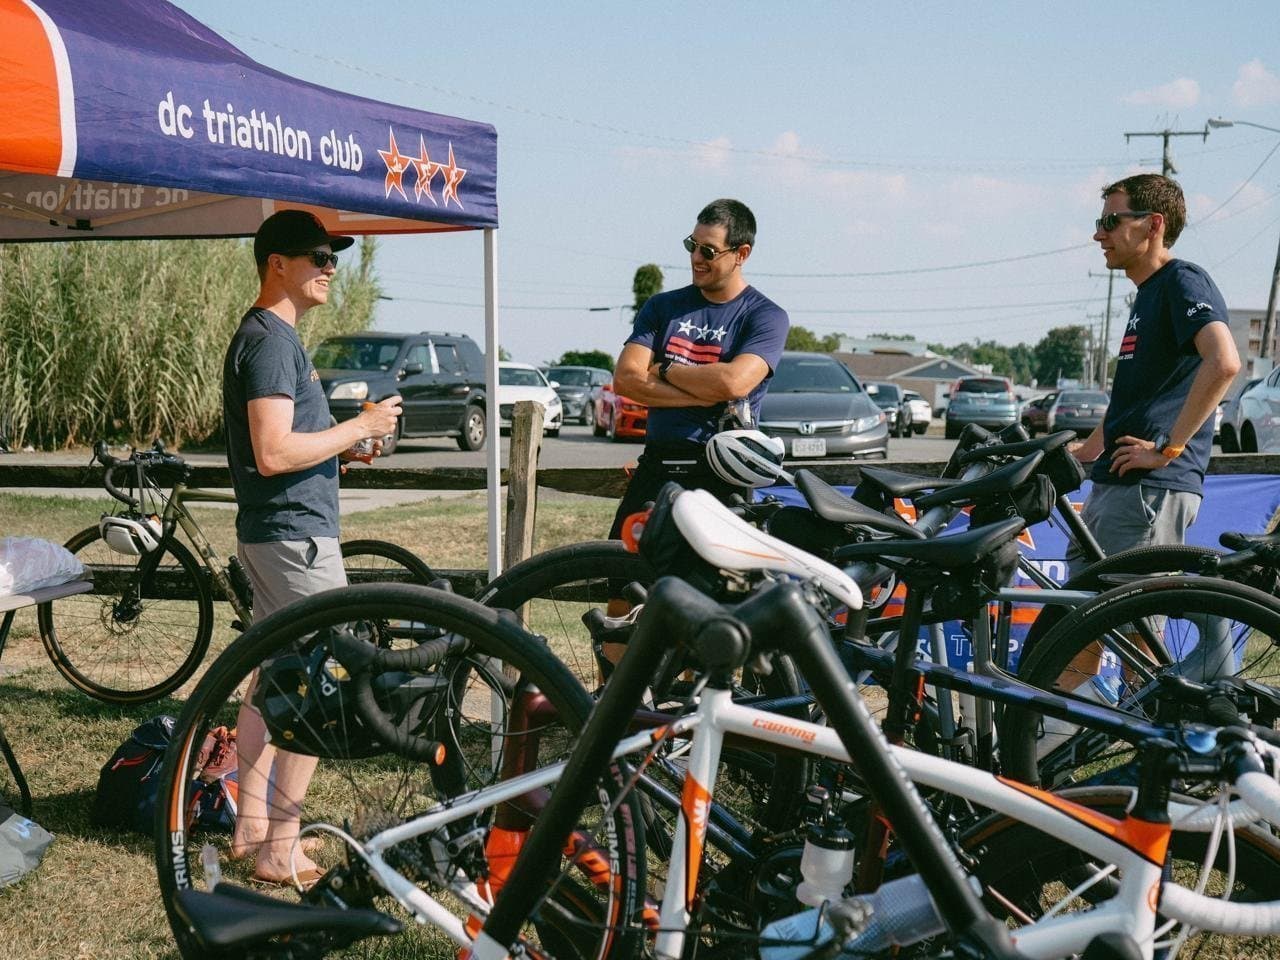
(728, 542)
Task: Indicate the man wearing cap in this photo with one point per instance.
(283, 451)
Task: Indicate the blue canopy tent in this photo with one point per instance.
(130, 119)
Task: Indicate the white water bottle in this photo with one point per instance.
(826, 866)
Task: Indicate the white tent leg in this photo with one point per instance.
(493, 458)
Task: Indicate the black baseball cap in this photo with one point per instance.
(294, 231)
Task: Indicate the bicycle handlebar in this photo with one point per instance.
(139, 461)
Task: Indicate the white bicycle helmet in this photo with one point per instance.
(131, 536)
(747, 458)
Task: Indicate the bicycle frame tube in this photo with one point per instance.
(175, 511)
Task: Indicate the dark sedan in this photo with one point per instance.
(819, 409)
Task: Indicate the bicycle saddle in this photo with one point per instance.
(729, 543)
(231, 916)
(897, 484)
(830, 504)
(952, 552)
(1003, 479)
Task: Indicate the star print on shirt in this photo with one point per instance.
(1133, 323)
(718, 333)
(686, 326)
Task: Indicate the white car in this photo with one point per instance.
(523, 381)
(921, 412)
(1260, 416)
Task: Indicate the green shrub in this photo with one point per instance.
(124, 340)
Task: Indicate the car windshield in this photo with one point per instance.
(519, 377)
(569, 377)
(356, 354)
(815, 375)
(983, 385)
(1085, 396)
(885, 395)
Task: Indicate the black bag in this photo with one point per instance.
(129, 782)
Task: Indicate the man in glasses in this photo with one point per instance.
(283, 454)
(695, 350)
(1177, 359)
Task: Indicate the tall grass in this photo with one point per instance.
(125, 339)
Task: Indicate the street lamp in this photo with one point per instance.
(1269, 322)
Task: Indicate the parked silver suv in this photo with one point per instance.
(987, 401)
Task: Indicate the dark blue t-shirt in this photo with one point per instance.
(267, 359)
(686, 327)
(1157, 362)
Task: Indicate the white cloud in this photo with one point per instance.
(713, 154)
(1176, 94)
(1255, 86)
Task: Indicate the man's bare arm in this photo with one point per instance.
(717, 382)
(278, 449)
(635, 377)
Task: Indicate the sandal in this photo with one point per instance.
(309, 846)
(307, 879)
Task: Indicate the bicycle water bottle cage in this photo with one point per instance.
(130, 535)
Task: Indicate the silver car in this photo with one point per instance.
(987, 401)
(1229, 410)
(574, 385)
(819, 409)
(1260, 416)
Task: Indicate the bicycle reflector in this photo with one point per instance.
(131, 536)
(633, 529)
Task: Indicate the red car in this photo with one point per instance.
(618, 416)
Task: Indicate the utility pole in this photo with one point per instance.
(1166, 163)
(1106, 331)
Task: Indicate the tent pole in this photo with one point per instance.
(493, 450)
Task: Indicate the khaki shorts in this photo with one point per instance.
(288, 570)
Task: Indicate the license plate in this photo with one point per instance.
(809, 447)
(981, 401)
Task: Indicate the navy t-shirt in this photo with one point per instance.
(685, 327)
(267, 359)
(1157, 362)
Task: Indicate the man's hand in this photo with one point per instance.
(1134, 453)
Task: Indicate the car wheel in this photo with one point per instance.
(585, 419)
(1228, 442)
(1248, 440)
(920, 428)
(553, 432)
(473, 429)
(392, 440)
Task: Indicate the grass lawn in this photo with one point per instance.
(95, 893)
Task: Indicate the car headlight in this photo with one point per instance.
(553, 402)
(866, 423)
(351, 390)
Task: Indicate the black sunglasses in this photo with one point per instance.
(705, 250)
(319, 259)
(1109, 221)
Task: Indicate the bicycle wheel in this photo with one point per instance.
(1025, 871)
(377, 561)
(1206, 628)
(494, 697)
(1099, 577)
(128, 642)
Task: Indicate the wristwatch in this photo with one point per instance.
(1166, 449)
(663, 367)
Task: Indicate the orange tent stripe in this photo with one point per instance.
(31, 134)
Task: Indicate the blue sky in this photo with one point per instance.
(878, 145)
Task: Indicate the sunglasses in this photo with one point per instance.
(319, 259)
(705, 250)
(1109, 221)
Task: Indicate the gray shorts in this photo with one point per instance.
(288, 570)
(1122, 516)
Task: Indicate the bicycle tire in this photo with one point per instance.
(365, 787)
(382, 561)
(1024, 866)
(1145, 561)
(122, 650)
(1248, 623)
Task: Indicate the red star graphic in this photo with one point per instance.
(453, 175)
(397, 164)
(904, 509)
(427, 170)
